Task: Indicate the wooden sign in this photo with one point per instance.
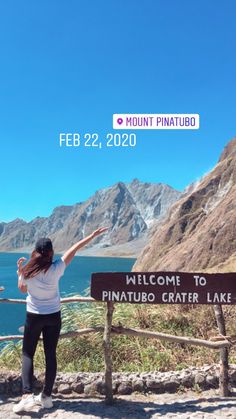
(164, 287)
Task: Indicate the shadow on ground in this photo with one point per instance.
(122, 408)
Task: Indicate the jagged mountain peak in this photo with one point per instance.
(152, 199)
(135, 181)
(63, 209)
(127, 209)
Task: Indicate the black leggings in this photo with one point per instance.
(50, 326)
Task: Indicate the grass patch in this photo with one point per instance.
(131, 354)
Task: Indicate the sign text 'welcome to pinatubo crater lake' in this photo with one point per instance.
(164, 287)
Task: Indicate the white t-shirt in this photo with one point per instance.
(43, 289)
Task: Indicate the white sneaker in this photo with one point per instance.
(25, 404)
(45, 401)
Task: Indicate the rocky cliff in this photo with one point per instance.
(200, 230)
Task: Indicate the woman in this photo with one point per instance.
(40, 278)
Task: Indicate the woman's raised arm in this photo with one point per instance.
(70, 253)
(22, 287)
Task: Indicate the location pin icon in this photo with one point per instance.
(120, 121)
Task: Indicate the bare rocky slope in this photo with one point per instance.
(127, 209)
(200, 230)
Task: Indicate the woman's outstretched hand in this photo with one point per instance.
(70, 253)
(99, 231)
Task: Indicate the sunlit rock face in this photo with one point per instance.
(200, 230)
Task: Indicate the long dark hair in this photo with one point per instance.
(39, 261)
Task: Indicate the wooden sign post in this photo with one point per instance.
(163, 288)
(107, 353)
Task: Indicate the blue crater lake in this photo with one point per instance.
(75, 281)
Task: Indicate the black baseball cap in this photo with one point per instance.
(43, 245)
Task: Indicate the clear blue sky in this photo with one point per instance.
(67, 66)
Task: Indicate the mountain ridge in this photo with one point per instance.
(127, 208)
